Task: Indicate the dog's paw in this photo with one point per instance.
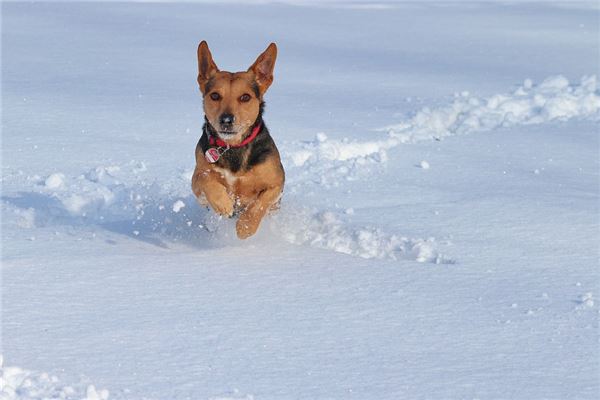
(246, 226)
(222, 204)
(202, 200)
(225, 210)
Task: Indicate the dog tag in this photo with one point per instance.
(212, 155)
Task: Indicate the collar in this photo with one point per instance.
(213, 140)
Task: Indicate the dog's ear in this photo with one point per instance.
(263, 68)
(206, 66)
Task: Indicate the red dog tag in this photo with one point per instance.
(212, 155)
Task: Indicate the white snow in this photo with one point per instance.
(587, 300)
(437, 237)
(178, 205)
(17, 383)
(234, 395)
(554, 99)
(54, 181)
(325, 230)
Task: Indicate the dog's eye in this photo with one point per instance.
(215, 96)
(245, 98)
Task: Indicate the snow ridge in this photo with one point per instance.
(326, 230)
(325, 161)
(555, 99)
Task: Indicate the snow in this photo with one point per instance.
(17, 383)
(178, 205)
(437, 238)
(54, 181)
(554, 99)
(587, 300)
(326, 230)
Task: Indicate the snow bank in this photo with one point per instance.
(555, 99)
(17, 383)
(326, 230)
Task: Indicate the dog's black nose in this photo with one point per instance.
(226, 119)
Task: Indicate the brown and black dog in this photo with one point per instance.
(238, 168)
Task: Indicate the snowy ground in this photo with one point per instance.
(438, 236)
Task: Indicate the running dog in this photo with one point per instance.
(238, 168)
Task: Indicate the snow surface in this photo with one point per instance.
(23, 384)
(438, 235)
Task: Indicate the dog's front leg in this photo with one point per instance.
(249, 220)
(205, 183)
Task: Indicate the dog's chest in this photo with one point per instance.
(229, 177)
(240, 185)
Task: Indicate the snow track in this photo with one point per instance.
(157, 215)
(327, 162)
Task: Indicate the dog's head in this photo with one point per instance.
(232, 100)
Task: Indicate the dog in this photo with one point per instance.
(238, 167)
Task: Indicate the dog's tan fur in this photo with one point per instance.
(254, 190)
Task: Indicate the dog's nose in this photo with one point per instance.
(226, 119)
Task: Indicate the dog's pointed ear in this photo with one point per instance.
(263, 68)
(206, 66)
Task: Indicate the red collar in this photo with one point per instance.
(212, 140)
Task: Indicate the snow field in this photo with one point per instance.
(409, 259)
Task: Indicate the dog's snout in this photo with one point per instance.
(226, 119)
